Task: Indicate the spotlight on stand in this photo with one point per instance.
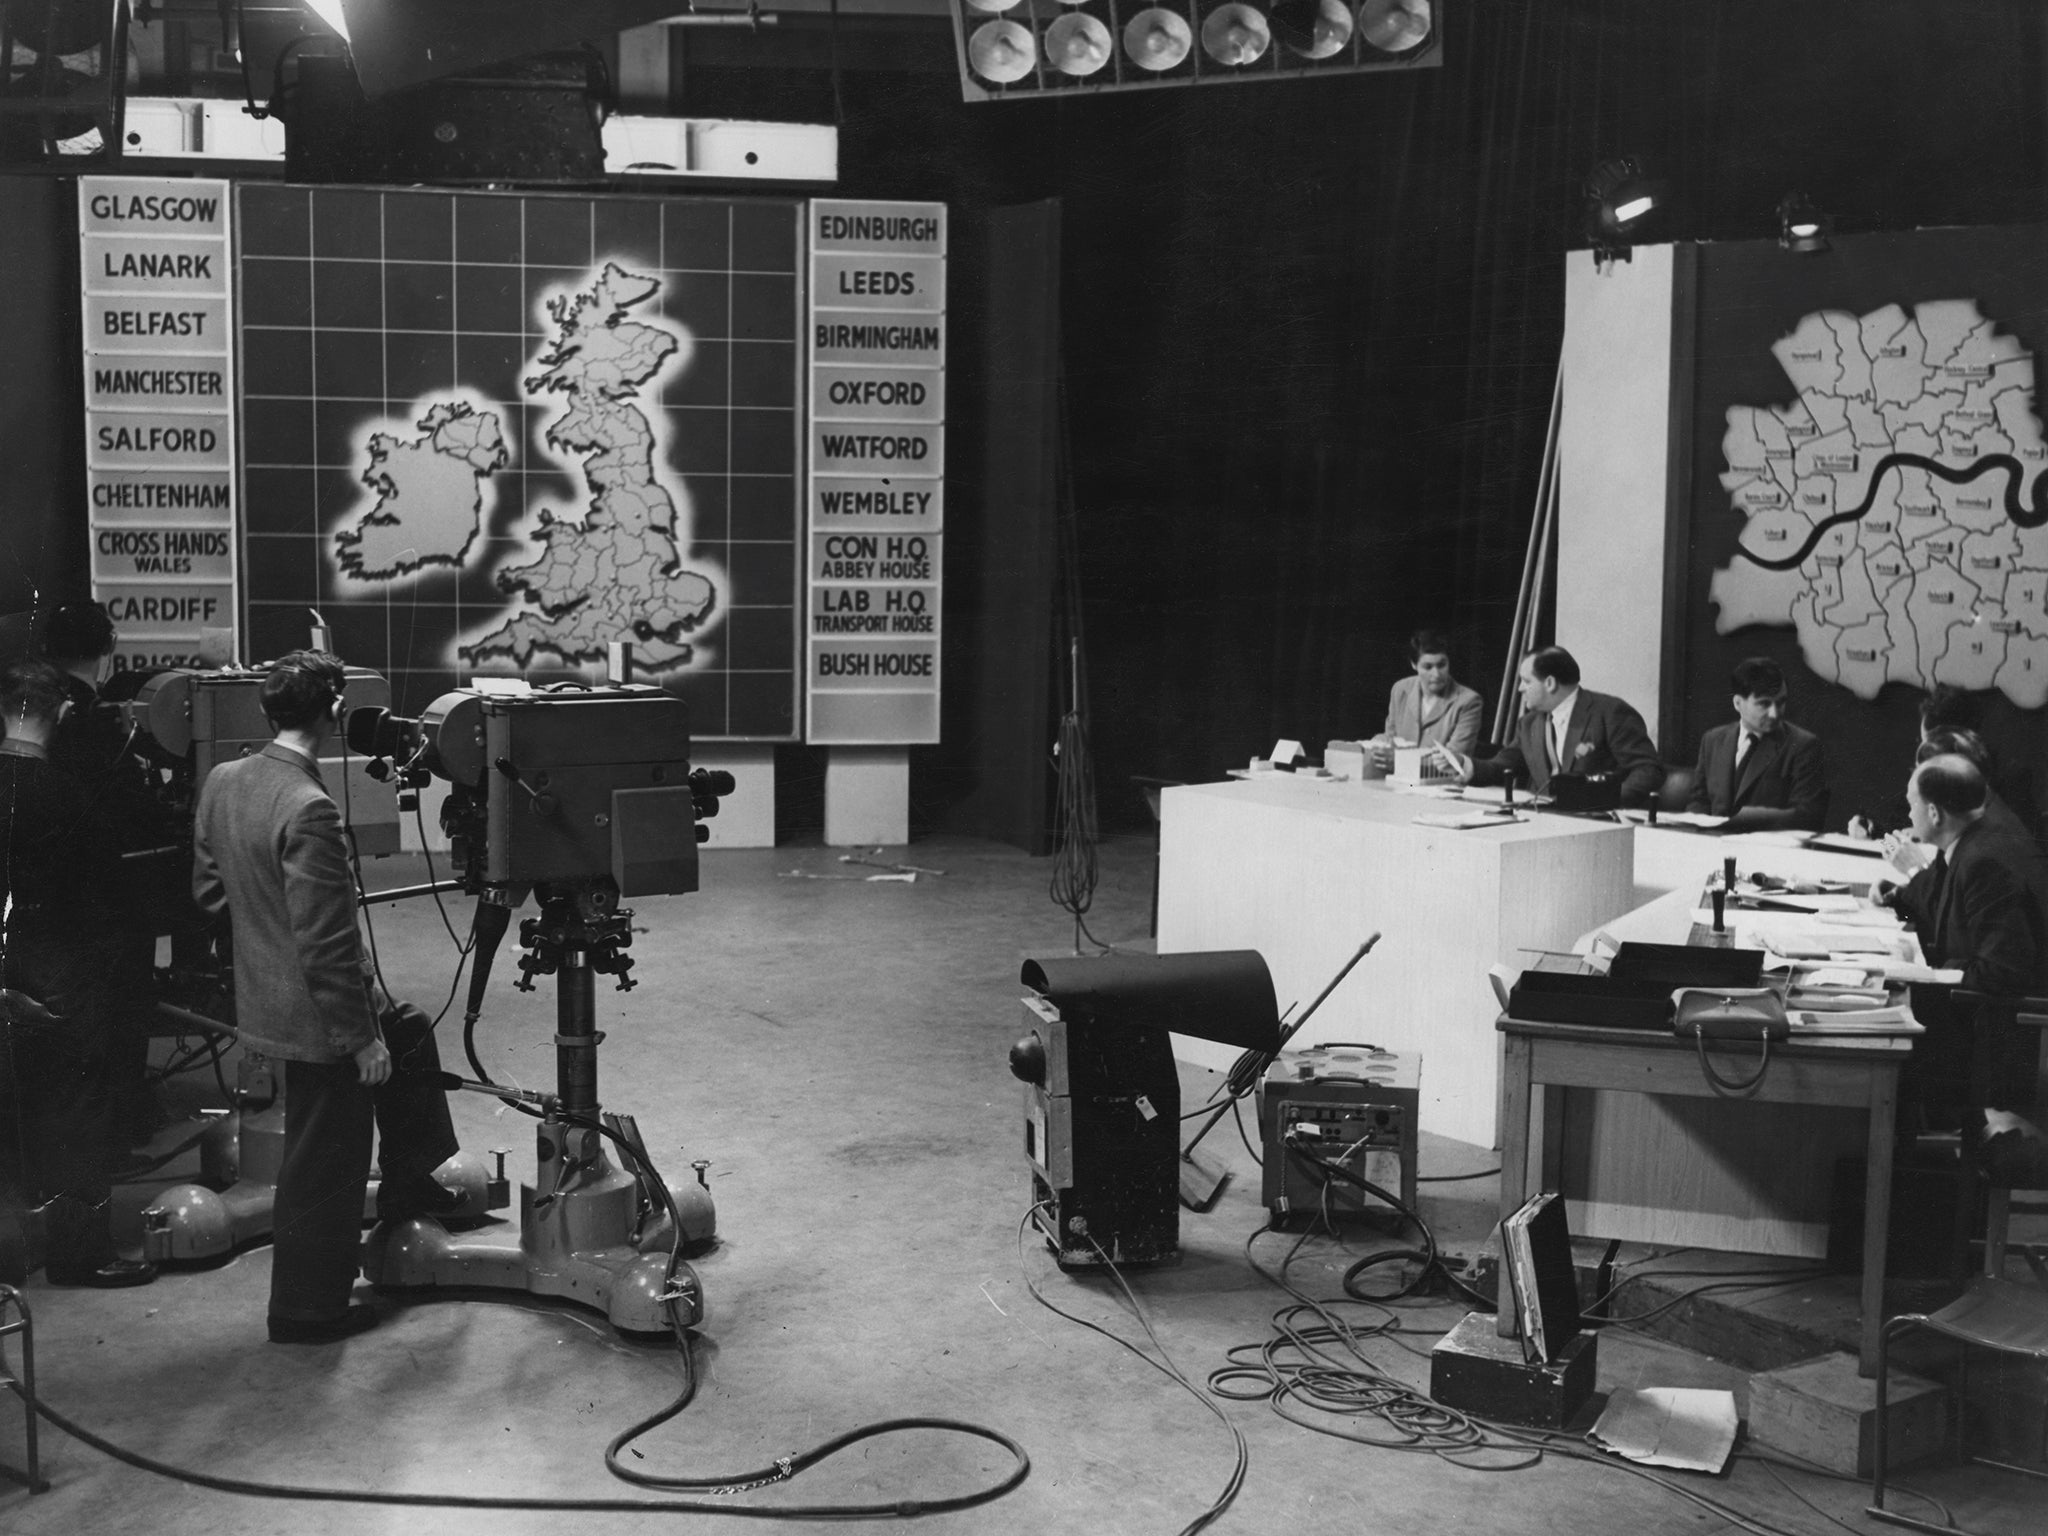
(1802, 228)
(1620, 199)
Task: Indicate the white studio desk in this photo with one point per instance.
(1303, 869)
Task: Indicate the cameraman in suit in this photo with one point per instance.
(1567, 729)
(268, 848)
(1760, 770)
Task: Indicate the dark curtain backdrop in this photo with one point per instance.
(42, 394)
(1311, 327)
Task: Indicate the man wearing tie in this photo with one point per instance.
(1760, 770)
(1567, 729)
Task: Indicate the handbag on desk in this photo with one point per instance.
(1731, 1013)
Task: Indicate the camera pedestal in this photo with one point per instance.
(588, 1230)
(232, 1203)
(586, 1241)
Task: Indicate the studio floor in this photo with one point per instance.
(835, 1046)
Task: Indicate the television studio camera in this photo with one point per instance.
(182, 722)
(578, 797)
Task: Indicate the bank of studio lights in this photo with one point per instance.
(1012, 49)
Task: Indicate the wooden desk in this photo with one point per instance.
(1855, 1073)
(1746, 1177)
(1302, 870)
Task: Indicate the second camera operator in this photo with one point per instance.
(269, 849)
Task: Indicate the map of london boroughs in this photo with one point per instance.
(1893, 513)
(612, 567)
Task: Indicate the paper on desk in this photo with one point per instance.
(1698, 819)
(1468, 819)
(1819, 901)
(1909, 971)
(1836, 842)
(1862, 917)
(1894, 1020)
(1688, 1427)
(1493, 794)
(1816, 944)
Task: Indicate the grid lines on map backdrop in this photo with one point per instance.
(491, 433)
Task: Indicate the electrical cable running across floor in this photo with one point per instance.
(781, 1470)
(1164, 1364)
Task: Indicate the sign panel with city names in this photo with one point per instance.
(875, 472)
(154, 258)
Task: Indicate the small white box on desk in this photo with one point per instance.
(1347, 760)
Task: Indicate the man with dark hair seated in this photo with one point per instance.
(1760, 770)
(1974, 911)
(268, 847)
(61, 894)
(1567, 729)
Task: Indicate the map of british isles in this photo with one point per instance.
(1893, 511)
(609, 567)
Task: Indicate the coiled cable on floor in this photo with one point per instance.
(1432, 1268)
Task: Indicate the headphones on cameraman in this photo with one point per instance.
(335, 705)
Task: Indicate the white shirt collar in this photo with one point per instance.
(1561, 717)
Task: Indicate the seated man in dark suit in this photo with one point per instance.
(1975, 912)
(1910, 857)
(1567, 729)
(1760, 770)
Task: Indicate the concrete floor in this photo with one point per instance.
(836, 1048)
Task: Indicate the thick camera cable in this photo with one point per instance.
(782, 1470)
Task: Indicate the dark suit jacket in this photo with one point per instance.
(1785, 775)
(1982, 918)
(61, 888)
(95, 749)
(1606, 735)
(267, 846)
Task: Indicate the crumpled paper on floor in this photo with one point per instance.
(1692, 1428)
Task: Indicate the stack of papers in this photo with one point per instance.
(1895, 1019)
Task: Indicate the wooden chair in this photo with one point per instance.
(1993, 1313)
